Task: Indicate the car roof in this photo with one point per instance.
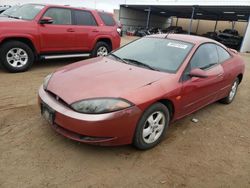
(67, 6)
(185, 38)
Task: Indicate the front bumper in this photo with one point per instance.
(116, 128)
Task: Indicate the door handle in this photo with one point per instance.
(95, 31)
(70, 30)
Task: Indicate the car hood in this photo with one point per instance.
(100, 77)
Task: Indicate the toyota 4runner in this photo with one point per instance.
(36, 31)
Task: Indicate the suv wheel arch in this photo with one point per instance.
(23, 40)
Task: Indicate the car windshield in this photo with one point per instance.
(27, 12)
(9, 11)
(155, 53)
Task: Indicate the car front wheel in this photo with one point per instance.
(16, 56)
(151, 126)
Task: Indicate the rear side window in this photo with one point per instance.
(60, 16)
(107, 19)
(84, 18)
(223, 54)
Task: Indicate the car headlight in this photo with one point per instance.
(46, 81)
(100, 105)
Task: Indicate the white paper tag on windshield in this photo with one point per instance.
(39, 7)
(177, 45)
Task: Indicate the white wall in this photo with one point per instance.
(245, 47)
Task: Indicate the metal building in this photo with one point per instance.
(156, 13)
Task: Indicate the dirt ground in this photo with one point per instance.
(215, 152)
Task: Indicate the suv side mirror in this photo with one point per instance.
(46, 20)
(198, 73)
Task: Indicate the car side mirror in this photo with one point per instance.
(46, 20)
(198, 73)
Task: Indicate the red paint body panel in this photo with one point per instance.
(106, 77)
(116, 127)
(49, 38)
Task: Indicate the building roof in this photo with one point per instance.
(208, 10)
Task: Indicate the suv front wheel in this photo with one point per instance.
(16, 56)
(101, 49)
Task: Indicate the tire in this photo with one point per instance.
(232, 93)
(98, 48)
(16, 56)
(148, 135)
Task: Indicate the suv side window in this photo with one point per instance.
(107, 19)
(205, 57)
(223, 54)
(84, 18)
(61, 16)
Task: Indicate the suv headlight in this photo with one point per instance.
(46, 81)
(100, 105)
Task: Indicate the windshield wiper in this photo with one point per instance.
(15, 17)
(118, 58)
(133, 61)
(209, 65)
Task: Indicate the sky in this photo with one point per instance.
(107, 5)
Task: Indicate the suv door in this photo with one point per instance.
(59, 35)
(198, 92)
(86, 29)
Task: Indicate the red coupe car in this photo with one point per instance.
(132, 95)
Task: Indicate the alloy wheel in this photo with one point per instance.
(102, 51)
(17, 57)
(153, 127)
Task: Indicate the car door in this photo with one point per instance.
(226, 61)
(60, 35)
(196, 91)
(86, 29)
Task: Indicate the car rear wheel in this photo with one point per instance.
(16, 56)
(101, 49)
(151, 126)
(232, 93)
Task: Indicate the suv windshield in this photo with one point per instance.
(9, 11)
(27, 12)
(155, 53)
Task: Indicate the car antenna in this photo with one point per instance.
(168, 34)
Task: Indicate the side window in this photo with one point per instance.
(107, 19)
(205, 57)
(84, 18)
(223, 54)
(60, 16)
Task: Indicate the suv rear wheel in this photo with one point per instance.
(16, 56)
(101, 49)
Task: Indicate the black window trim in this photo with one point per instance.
(74, 18)
(58, 8)
(182, 78)
(99, 14)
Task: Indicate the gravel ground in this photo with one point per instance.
(215, 152)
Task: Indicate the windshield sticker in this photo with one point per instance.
(177, 45)
(39, 7)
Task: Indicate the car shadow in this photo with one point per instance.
(49, 64)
